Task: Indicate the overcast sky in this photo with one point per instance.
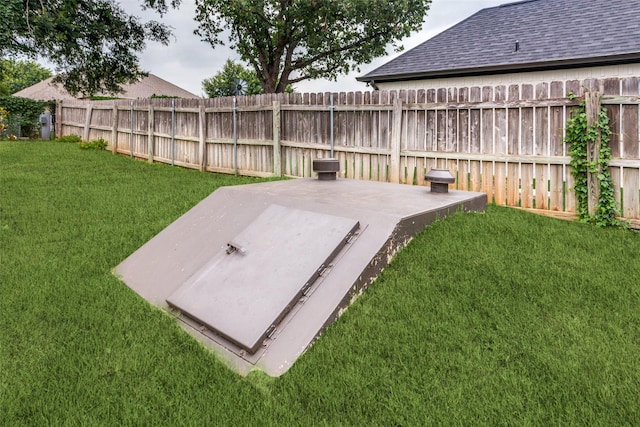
(187, 60)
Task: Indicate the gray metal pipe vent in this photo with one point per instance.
(326, 168)
(440, 180)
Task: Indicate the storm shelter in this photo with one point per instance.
(246, 289)
(257, 271)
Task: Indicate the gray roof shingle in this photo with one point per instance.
(550, 34)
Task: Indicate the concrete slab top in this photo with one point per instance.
(399, 201)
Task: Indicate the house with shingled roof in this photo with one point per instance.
(147, 87)
(531, 41)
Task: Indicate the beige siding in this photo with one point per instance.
(612, 71)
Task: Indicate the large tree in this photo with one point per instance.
(287, 41)
(93, 44)
(233, 79)
(17, 75)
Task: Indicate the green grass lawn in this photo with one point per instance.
(502, 318)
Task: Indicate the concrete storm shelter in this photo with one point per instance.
(257, 271)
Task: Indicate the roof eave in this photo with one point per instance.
(506, 68)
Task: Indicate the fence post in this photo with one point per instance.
(58, 129)
(150, 134)
(131, 129)
(396, 135)
(114, 129)
(173, 131)
(592, 109)
(201, 131)
(235, 135)
(87, 122)
(332, 112)
(277, 161)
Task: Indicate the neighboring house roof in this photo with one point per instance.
(44, 91)
(549, 34)
(145, 88)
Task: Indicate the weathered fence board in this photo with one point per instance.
(507, 141)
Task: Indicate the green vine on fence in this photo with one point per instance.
(580, 136)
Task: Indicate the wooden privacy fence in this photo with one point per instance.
(506, 141)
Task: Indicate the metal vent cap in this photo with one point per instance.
(326, 168)
(440, 180)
